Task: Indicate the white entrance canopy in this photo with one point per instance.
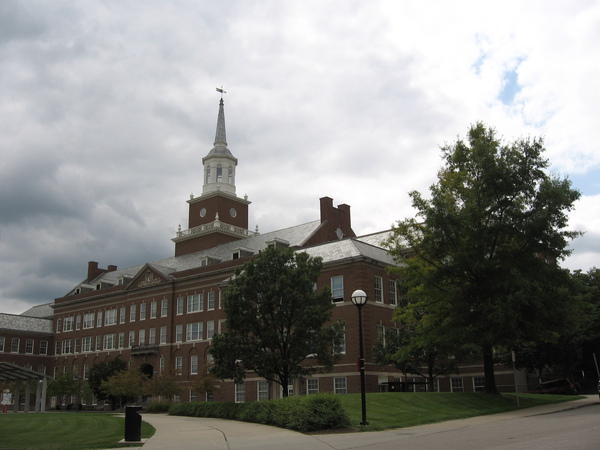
(14, 374)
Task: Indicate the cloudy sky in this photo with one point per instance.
(107, 108)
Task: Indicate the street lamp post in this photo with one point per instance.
(359, 298)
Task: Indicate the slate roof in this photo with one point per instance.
(25, 323)
(367, 246)
(45, 311)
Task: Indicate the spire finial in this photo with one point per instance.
(221, 91)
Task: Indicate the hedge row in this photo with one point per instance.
(307, 413)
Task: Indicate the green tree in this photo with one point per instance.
(277, 322)
(125, 385)
(206, 384)
(164, 385)
(482, 260)
(102, 371)
(64, 384)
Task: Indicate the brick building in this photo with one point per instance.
(161, 315)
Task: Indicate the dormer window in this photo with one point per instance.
(203, 262)
(98, 286)
(241, 252)
(278, 243)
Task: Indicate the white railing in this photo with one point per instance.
(216, 224)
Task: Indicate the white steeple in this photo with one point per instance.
(219, 164)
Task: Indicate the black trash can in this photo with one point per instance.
(133, 424)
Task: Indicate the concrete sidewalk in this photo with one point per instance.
(176, 432)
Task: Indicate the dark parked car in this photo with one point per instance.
(562, 386)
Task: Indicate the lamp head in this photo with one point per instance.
(359, 297)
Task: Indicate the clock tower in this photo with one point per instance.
(218, 215)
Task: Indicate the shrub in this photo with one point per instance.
(308, 413)
(157, 407)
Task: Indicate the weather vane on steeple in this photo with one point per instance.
(221, 91)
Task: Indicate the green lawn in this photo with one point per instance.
(64, 430)
(398, 410)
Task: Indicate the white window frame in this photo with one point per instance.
(340, 385)
(457, 385)
(194, 331)
(195, 303)
(337, 288)
(312, 386)
(210, 305)
(164, 307)
(378, 289)
(262, 390)
(240, 392)
(194, 365)
(110, 317)
(393, 292)
(153, 309)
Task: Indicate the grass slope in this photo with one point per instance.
(399, 410)
(66, 430)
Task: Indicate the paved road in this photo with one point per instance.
(573, 429)
(571, 425)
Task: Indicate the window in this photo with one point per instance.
(14, 346)
(57, 347)
(68, 324)
(132, 313)
(230, 175)
(58, 325)
(86, 371)
(143, 311)
(195, 303)
(122, 314)
(110, 317)
(211, 300)
(131, 338)
(341, 348)
(194, 331)
(99, 319)
(29, 346)
(98, 343)
(121, 339)
(43, 346)
(210, 329)
(163, 334)
(88, 321)
(67, 346)
(337, 288)
(42, 369)
(161, 364)
(393, 292)
(339, 385)
(110, 341)
(456, 385)
(179, 364)
(194, 365)
(86, 344)
(478, 384)
(219, 173)
(262, 389)
(142, 337)
(77, 345)
(240, 392)
(193, 396)
(378, 289)
(220, 299)
(1, 343)
(207, 174)
(179, 306)
(153, 309)
(381, 334)
(152, 336)
(164, 307)
(179, 333)
(78, 322)
(312, 386)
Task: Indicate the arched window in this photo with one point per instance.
(207, 174)
(219, 173)
(230, 176)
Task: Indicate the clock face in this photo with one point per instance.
(233, 212)
(203, 212)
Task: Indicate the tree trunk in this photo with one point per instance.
(488, 370)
